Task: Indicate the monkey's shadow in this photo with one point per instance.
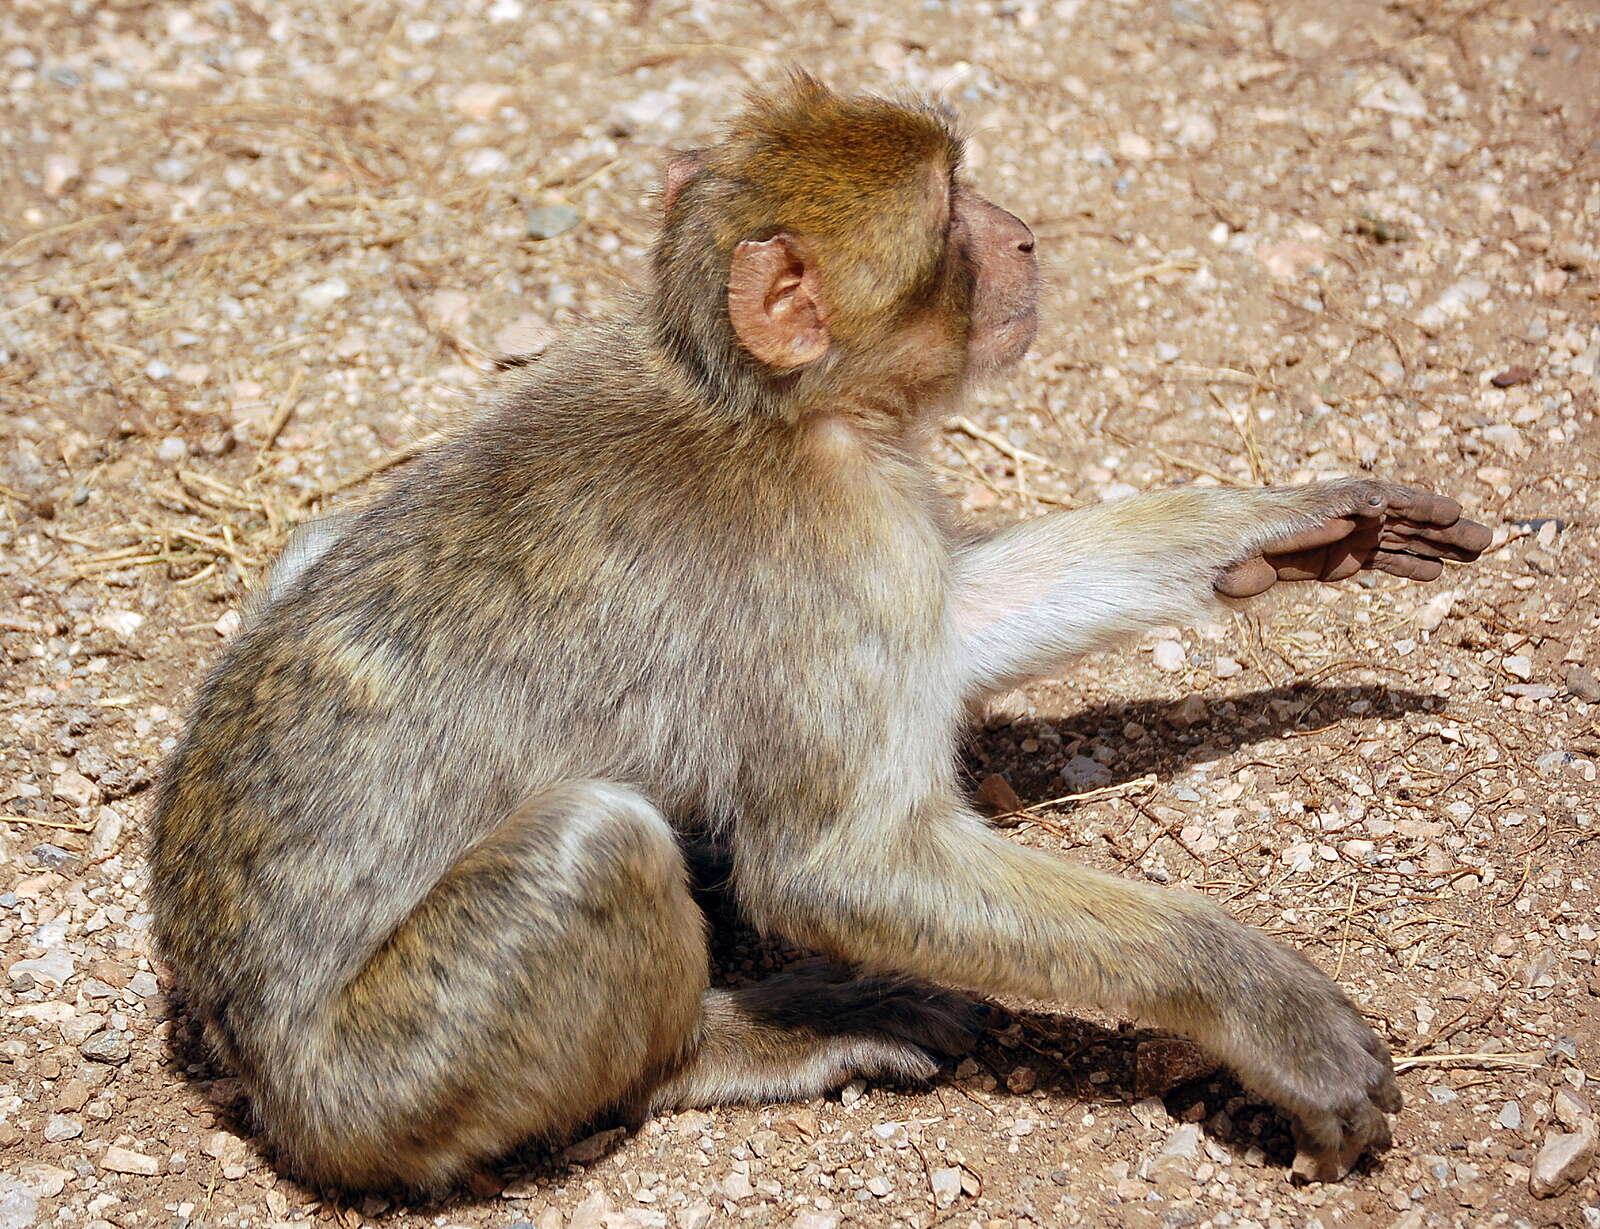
(1073, 1062)
(1167, 749)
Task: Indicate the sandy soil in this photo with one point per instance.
(253, 250)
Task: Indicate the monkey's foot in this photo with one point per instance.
(814, 1028)
(821, 997)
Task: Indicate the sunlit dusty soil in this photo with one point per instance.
(254, 252)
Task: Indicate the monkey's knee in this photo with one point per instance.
(555, 971)
(610, 835)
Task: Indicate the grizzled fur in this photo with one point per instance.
(416, 857)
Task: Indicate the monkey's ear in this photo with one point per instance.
(681, 168)
(773, 303)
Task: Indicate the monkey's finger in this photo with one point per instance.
(1369, 1126)
(1312, 1164)
(1246, 578)
(1409, 567)
(1408, 544)
(1423, 507)
(1323, 533)
(1427, 547)
(1465, 540)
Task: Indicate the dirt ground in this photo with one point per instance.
(252, 252)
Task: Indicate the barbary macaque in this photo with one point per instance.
(418, 858)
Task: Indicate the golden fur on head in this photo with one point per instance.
(860, 183)
(864, 180)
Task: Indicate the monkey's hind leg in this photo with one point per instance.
(813, 1028)
(557, 970)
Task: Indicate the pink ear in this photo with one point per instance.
(681, 168)
(773, 303)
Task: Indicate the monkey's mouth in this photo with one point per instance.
(1017, 332)
(1004, 342)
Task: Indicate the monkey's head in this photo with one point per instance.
(826, 246)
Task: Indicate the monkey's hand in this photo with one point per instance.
(1295, 1038)
(1366, 525)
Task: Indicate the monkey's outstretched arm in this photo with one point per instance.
(1034, 595)
(940, 896)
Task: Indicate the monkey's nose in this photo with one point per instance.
(1025, 246)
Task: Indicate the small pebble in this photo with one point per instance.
(75, 789)
(60, 1127)
(548, 221)
(125, 1161)
(1191, 710)
(324, 294)
(1583, 683)
(1168, 655)
(946, 1186)
(107, 1046)
(481, 99)
(1562, 1161)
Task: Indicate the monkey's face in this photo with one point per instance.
(985, 298)
(992, 254)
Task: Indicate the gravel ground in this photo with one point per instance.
(253, 252)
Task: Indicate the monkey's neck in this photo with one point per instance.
(885, 402)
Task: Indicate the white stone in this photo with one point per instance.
(809, 1220)
(1197, 131)
(695, 1216)
(59, 171)
(54, 967)
(1184, 1141)
(483, 162)
(1396, 97)
(18, 1204)
(126, 1161)
(1562, 1161)
(59, 1127)
(1435, 610)
(1168, 655)
(120, 622)
(324, 294)
(46, 1181)
(591, 1213)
